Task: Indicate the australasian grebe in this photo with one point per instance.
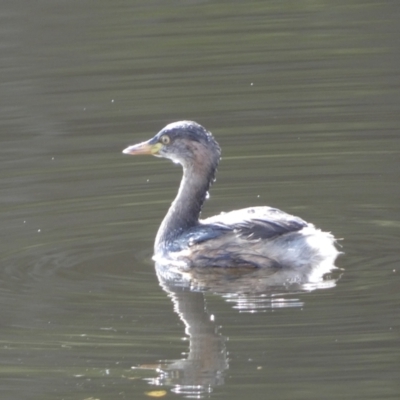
(250, 237)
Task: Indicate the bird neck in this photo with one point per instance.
(185, 210)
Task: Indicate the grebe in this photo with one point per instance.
(252, 237)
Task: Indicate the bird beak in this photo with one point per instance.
(148, 147)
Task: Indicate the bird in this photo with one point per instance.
(255, 237)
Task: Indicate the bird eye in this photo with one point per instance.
(165, 139)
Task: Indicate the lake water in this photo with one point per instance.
(303, 98)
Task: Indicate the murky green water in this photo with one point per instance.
(303, 98)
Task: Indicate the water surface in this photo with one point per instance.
(303, 98)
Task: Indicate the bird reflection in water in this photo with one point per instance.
(257, 258)
(204, 366)
(206, 360)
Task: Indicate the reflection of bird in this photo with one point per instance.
(257, 236)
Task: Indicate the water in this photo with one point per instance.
(303, 98)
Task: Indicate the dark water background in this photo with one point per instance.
(303, 97)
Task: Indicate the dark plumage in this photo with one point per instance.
(251, 237)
